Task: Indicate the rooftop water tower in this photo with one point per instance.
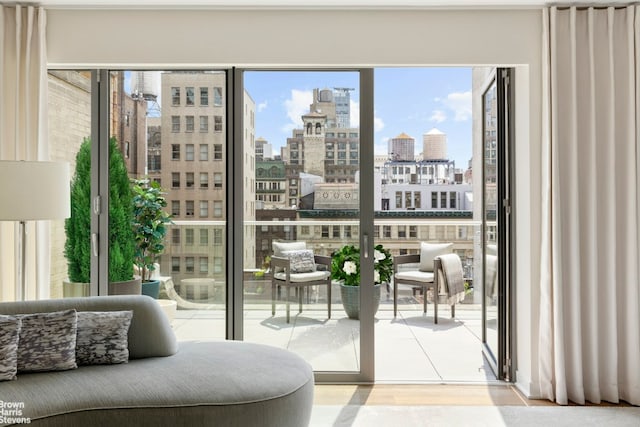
(434, 145)
(145, 84)
(401, 148)
(326, 95)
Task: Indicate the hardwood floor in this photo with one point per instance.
(455, 405)
(428, 394)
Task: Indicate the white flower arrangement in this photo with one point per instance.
(345, 265)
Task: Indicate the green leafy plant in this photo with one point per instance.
(345, 265)
(468, 288)
(77, 248)
(78, 225)
(121, 239)
(264, 268)
(149, 224)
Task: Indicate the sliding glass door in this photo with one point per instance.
(164, 134)
(304, 185)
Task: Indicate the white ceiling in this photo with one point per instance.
(304, 4)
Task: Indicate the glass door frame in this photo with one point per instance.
(502, 363)
(234, 194)
(100, 105)
(100, 135)
(506, 177)
(366, 241)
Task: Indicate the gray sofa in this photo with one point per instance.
(221, 383)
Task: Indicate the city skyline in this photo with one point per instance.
(406, 100)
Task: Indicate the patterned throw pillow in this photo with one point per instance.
(9, 333)
(103, 337)
(280, 247)
(301, 261)
(47, 341)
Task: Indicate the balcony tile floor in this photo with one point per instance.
(409, 348)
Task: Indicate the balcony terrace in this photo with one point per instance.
(409, 348)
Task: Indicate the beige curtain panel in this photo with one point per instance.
(23, 136)
(590, 300)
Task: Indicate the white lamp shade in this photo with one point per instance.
(34, 190)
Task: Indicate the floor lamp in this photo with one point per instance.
(30, 191)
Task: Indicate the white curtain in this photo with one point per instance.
(23, 136)
(590, 297)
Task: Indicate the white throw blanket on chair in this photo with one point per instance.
(453, 277)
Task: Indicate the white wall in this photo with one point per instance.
(300, 38)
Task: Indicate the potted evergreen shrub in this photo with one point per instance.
(345, 268)
(77, 248)
(149, 227)
(78, 226)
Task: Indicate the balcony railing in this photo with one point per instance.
(195, 260)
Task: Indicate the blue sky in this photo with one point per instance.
(409, 100)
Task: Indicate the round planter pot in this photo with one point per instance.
(351, 299)
(75, 289)
(151, 288)
(128, 287)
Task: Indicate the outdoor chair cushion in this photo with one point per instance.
(420, 276)
(429, 251)
(303, 277)
(280, 247)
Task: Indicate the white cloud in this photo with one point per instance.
(382, 147)
(438, 116)
(378, 124)
(262, 106)
(460, 104)
(296, 106)
(288, 128)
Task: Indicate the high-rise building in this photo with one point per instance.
(249, 187)
(194, 142)
(154, 148)
(335, 104)
(320, 147)
(128, 124)
(342, 98)
(193, 171)
(402, 148)
(264, 150)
